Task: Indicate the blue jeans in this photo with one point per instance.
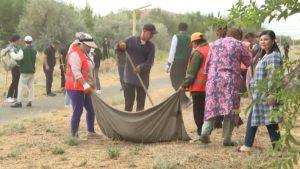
(67, 99)
(79, 100)
(121, 74)
(251, 131)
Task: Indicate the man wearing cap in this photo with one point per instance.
(141, 51)
(49, 64)
(27, 58)
(195, 79)
(178, 57)
(79, 83)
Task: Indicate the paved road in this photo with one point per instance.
(48, 104)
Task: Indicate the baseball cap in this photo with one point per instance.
(196, 36)
(87, 40)
(28, 39)
(151, 28)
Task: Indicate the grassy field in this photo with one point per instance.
(43, 142)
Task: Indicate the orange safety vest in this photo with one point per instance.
(201, 78)
(71, 82)
(248, 44)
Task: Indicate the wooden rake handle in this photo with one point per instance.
(139, 77)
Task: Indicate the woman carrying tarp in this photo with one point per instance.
(195, 79)
(79, 80)
(258, 114)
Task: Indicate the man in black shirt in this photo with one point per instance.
(105, 46)
(97, 60)
(120, 59)
(49, 64)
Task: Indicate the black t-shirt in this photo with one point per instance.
(50, 52)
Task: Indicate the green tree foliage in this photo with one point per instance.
(45, 20)
(10, 11)
(87, 14)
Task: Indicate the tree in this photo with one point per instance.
(10, 11)
(45, 20)
(115, 27)
(87, 14)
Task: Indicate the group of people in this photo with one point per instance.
(218, 75)
(215, 75)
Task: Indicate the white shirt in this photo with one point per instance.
(19, 55)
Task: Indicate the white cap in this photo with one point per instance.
(28, 39)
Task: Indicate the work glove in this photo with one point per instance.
(87, 88)
(137, 70)
(122, 46)
(167, 69)
(11, 48)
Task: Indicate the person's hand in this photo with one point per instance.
(271, 102)
(47, 67)
(106, 42)
(10, 48)
(122, 46)
(167, 68)
(137, 70)
(92, 84)
(117, 64)
(59, 56)
(87, 88)
(181, 89)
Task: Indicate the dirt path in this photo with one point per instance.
(49, 104)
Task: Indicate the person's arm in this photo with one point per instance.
(76, 65)
(192, 71)
(209, 56)
(172, 50)
(17, 56)
(117, 59)
(46, 53)
(146, 66)
(246, 58)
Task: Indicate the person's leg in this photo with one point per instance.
(129, 94)
(250, 132)
(13, 88)
(22, 83)
(206, 129)
(67, 99)
(228, 127)
(51, 69)
(243, 88)
(77, 98)
(218, 122)
(48, 79)
(62, 79)
(198, 111)
(121, 75)
(140, 98)
(30, 87)
(274, 135)
(90, 114)
(97, 79)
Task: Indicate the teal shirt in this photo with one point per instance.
(192, 71)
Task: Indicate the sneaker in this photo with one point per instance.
(51, 94)
(98, 91)
(68, 106)
(29, 104)
(93, 135)
(195, 140)
(16, 105)
(10, 100)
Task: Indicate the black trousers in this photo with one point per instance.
(129, 94)
(49, 78)
(13, 88)
(177, 75)
(62, 74)
(198, 110)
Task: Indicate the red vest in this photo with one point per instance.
(71, 83)
(201, 78)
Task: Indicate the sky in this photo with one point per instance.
(290, 27)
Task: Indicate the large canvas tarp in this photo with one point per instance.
(162, 122)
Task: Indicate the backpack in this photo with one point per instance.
(7, 61)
